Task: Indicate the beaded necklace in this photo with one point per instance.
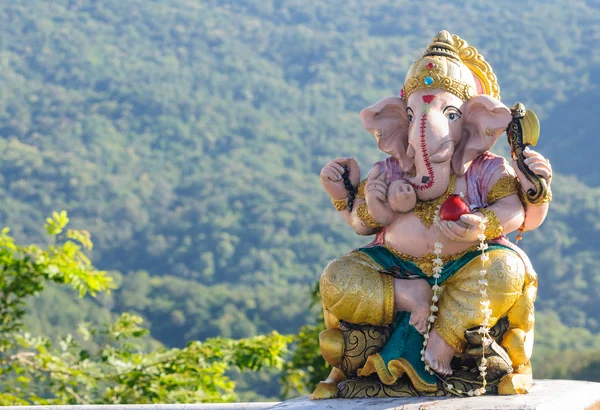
(426, 211)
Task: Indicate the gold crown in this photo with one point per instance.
(451, 64)
(434, 78)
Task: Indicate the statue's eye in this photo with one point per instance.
(410, 114)
(452, 113)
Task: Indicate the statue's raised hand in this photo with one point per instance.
(540, 166)
(536, 164)
(376, 191)
(331, 176)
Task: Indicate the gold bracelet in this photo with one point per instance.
(363, 213)
(493, 228)
(340, 204)
(360, 190)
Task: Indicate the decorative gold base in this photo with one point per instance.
(349, 347)
(360, 342)
(371, 387)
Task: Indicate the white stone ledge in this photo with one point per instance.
(215, 406)
(545, 395)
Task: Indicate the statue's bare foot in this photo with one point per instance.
(414, 296)
(439, 354)
(328, 388)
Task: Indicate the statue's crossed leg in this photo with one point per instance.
(354, 291)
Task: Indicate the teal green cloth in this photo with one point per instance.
(405, 342)
(388, 260)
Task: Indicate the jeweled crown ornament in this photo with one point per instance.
(451, 64)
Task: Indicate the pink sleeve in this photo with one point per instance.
(392, 167)
(478, 177)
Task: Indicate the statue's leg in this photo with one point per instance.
(460, 303)
(518, 339)
(331, 343)
(353, 290)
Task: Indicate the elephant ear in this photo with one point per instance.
(485, 119)
(388, 122)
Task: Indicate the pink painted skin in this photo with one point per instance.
(433, 142)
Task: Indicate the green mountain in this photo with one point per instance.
(187, 137)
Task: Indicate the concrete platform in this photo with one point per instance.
(545, 395)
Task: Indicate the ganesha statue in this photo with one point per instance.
(440, 302)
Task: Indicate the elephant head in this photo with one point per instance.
(445, 118)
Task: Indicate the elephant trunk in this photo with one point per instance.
(432, 183)
(432, 176)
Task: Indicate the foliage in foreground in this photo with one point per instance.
(306, 367)
(119, 372)
(107, 364)
(25, 269)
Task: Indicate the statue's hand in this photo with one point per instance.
(331, 177)
(376, 190)
(465, 230)
(536, 164)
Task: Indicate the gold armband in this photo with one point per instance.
(506, 186)
(363, 213)
(340, 204)
(360, 190)
(493, 228)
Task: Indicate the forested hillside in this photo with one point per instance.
(187, 137)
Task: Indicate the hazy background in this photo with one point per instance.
(187, 137)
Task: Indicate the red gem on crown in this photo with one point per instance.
(430, 66)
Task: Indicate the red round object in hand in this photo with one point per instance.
(453, 208)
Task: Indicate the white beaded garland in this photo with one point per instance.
(438, 266)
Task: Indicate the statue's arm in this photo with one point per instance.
(504, 212)
(332, 181)
(359, 220)
(503, 201)
(371, 211)
(535, 215)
